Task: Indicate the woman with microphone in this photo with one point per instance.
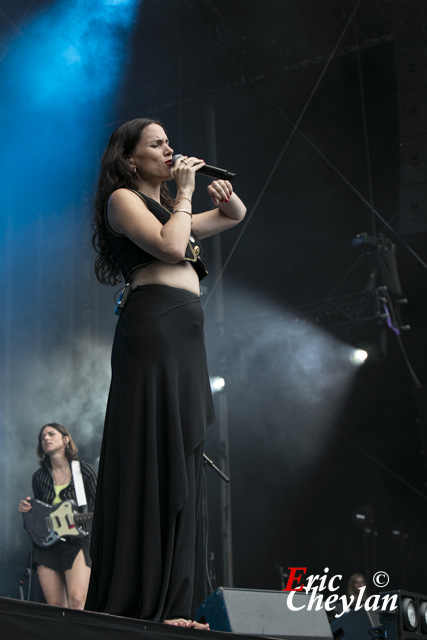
(147, 538)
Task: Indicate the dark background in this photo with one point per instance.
(312, 438)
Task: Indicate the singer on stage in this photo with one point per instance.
(147, 537)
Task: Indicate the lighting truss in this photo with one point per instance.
(351, 308)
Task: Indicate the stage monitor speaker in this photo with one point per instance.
(264, 613)
(355, 625)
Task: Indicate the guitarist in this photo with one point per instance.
(63, 569)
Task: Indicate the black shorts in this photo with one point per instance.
(61, 556)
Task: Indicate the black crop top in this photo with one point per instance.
(128, 256)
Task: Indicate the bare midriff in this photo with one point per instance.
(180, 276)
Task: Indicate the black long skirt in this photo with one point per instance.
(146, 544)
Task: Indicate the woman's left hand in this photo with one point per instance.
(24, 505)
(220, 191)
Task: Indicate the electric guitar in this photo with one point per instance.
(46, 524)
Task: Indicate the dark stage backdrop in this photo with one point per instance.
(312, 438)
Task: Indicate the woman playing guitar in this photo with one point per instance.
(63, 569)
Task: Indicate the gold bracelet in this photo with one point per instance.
(184, 211)
(183, 198)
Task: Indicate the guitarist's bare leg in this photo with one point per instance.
(77, 580)
(53, 586)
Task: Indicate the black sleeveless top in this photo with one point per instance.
(128, 256)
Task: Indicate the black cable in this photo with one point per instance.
(359, 448)
(281, 154)
(365, 126)
(324, 422)
(15, 27)
(205, 516)
(330, 164)
(394, 326)
(30, 572)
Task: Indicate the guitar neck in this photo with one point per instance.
(79, 518)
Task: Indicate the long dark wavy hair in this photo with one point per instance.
(116, 173)
(71, 450)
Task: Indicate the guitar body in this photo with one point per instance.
(47, 524)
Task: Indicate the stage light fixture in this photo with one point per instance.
(423, 616)
(217, 383)
(408, 620)
(358, 357)
(363, 519)
(409, 614)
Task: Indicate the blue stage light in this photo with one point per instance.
(71, 55)
(56, 83)
(75, 50)
(115, 3)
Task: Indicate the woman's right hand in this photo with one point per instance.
(184, 171)
(24, 505)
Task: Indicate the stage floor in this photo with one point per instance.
(21, 620)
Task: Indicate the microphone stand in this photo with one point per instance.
(208, 461)
(27, 575)
(210, 558)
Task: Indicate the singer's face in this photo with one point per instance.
(153, 155)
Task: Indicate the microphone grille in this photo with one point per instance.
(176, 157)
